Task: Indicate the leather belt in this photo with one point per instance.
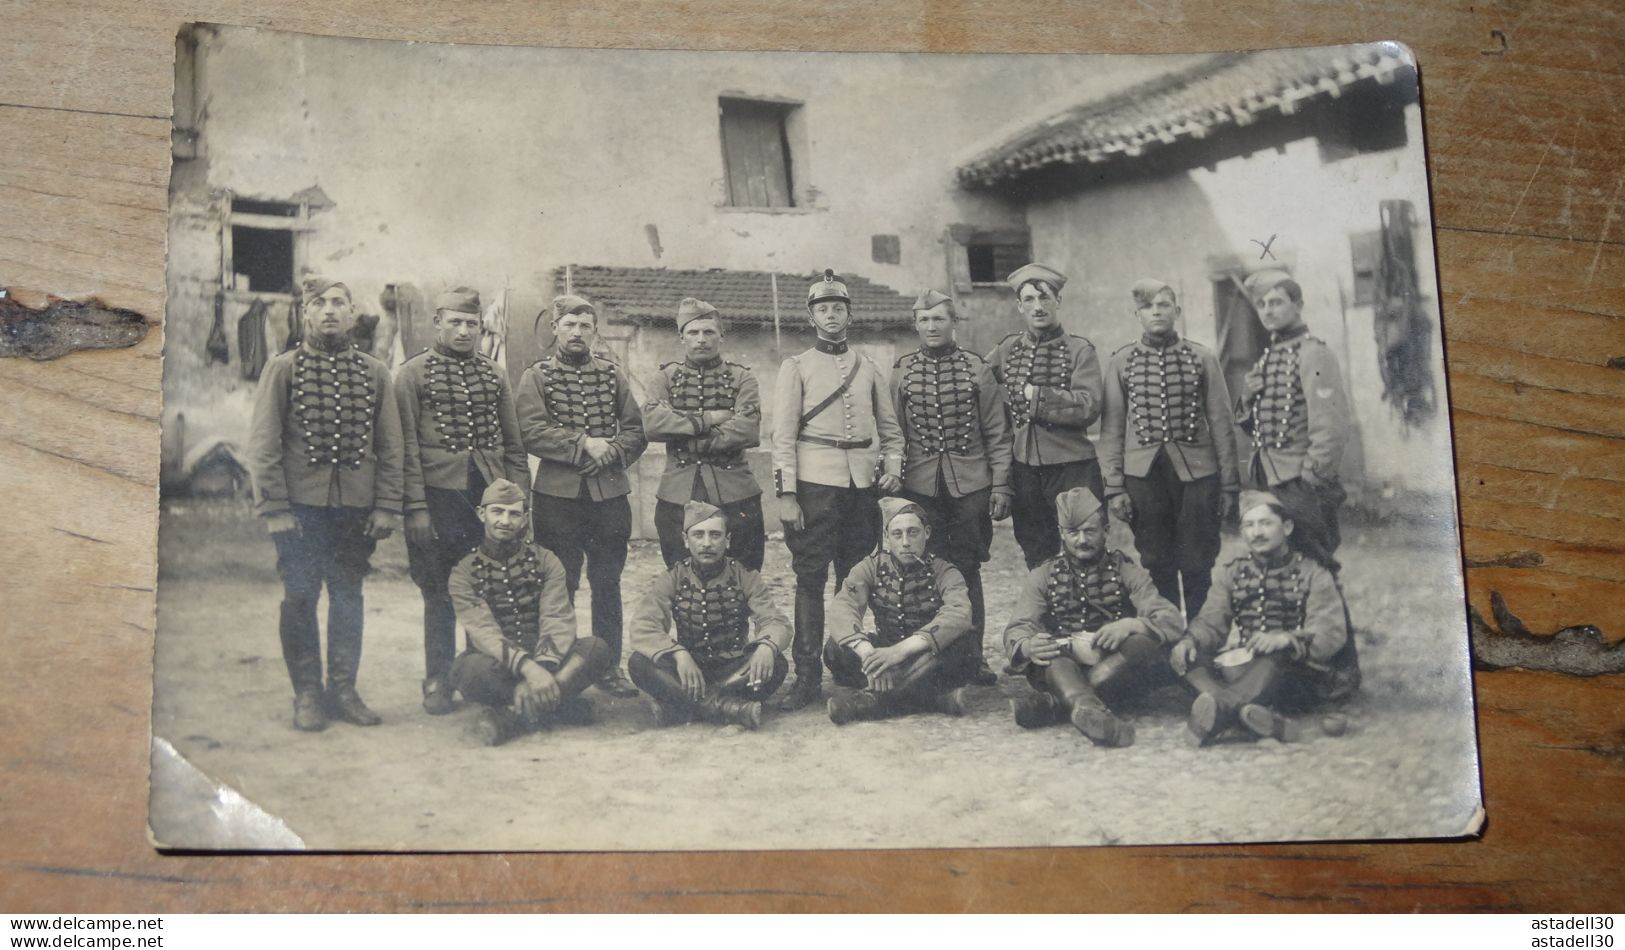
(835, 443)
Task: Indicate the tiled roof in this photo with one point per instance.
(1228, 89)
(648, 294)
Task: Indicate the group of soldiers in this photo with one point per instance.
(892, 478)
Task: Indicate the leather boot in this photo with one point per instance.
(1266, 723)
(308, 715)
(344, 703)
(978, 673)
(496, 724)
(574, 711)
(437, 696)
(1102, 728)
(667, 714)
(1037, 710)
(950, 702)
(806, 651)
(732, 711)
(1106, 674)
(1205, 720)
(1088, 714)
(615, 683)
(854, 706)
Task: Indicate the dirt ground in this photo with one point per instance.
(1407, 766)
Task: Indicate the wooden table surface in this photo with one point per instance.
(1523, 113)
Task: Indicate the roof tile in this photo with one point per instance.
(1225, 89)
(650, 294)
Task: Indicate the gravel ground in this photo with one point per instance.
(1407, 766)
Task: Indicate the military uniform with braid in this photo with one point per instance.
(513, 600)
(325, 456)
(460, 434)
(1168, 449)
(1295, 595)
(1273, 634)
(1296, 411)
(718, 615)
(1054, 390)
(568, 403)
(914, 596)
(1112, 624)
(956, 457)
(708, 413)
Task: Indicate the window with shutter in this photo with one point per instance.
(756, 153)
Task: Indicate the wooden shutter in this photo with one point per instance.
(756, 154)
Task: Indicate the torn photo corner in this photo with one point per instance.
(575, 449)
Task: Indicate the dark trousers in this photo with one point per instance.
(597, 531)
(1313, 511)
(1033, 489)
(1271, 680)
(659, 679)
(482, 679)
(961, 533)
(842, 526)
(457, 531)
(1130, 669)
(921, 681)
(1176, 529)
(331, 548)
(747, 539)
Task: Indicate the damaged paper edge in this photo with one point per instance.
(1510, 644)
(186, 809)
(64, 326)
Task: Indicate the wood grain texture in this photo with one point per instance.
(1524, 142)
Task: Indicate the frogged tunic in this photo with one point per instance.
(456, 412)
(325, 432)
(515, 609)
(864, 417)
(952, 414)
(927, 598)
(1167, 400)
(1062, 597)
(737, 599)
(1252, 596)
(1300, 421)
(705, 454)
(561, 403)
(1052, 427)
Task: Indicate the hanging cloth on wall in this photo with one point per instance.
(251, 349)
(216, 347)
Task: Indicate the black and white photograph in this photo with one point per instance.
(645, 450)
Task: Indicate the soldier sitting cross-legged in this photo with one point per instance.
(912, 660)
(712, 667)
(1088, 628)
(1272, 638)
(524, 663)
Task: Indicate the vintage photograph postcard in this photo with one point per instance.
(574, 449)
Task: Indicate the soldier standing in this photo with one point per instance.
(708, 411)
(834, 427)
(1054, 389)
(921, 611)
(460, 434)
(1168, 449)
(1297, 412)
(713, 667)
(1274, 636)
(956, 462)
(524, 663)
(324, 452)
(1088, 628)
(578, 417)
